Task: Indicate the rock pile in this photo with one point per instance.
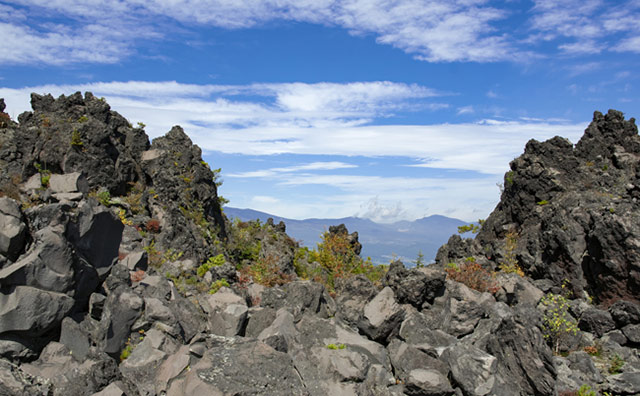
(119, 275)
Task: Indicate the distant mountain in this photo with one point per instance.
(404, 239)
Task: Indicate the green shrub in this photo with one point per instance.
(542, 203)
(217, 285)
(104, 197)
(266, 271)
(474, 228)
(557, 322)
(615, 364)
(126, 352)
(508, 178)
(334, 346)
(214, 261)
(585, 390)
(83, 119)
(76, 139)
(420, 260)
(509, 263)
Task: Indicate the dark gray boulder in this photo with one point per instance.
(70, 376)
(227, 313)
(121, 310)
(299, 297)
(48, 265)
(524, 361)
(32, 311)
(624, 313)
(96, 234)
(239, 366)
(414, 286)
(382, 316)
(596, 321)
(352, 294)
(472, 370)
(15, 382)
(13, 231)
(623, 384)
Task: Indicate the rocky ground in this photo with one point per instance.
(120, 275)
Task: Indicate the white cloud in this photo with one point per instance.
(381, 212)
(320, 128)
(264, 199)
(314, 166)
(582, 47)
(433, 30)
(103, 31)
(465, 110)
(582, 68)
(21, 44)
(591, 25)
(387, 199)
(203, 107)
(631, 44)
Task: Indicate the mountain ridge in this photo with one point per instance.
(382, 242)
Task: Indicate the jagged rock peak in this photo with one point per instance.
(569, 210)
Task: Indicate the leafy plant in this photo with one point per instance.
(103, 196)
(473, 275)
(76, 139)
(508, 178)
(557, 322)
(335, 347)
(615, 364)
(337, 259)
(122, 215)
(152, 225)
(83, 119)
(542, 203)
(141, 125)
(585, 390)
(473, 228)
(509, 263)
(5, 119)
(134, 197)
(266, 272)
(126, 352)
(594, 350)
(214, 261)
(45, 175)
(420, 260)
(217, 285)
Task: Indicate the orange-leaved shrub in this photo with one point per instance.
(473, 275)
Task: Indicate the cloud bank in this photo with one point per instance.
(101, 31)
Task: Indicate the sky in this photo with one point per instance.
(384, 109)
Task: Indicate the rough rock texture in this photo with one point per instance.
(135, 284)
(572, 209)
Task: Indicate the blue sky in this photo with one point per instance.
(316, 108)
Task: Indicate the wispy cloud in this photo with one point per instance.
(314, 166)
(590, 26)
(465, 110)
(101, 31)
(208, 107)
(433, 30)
(336, 122)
